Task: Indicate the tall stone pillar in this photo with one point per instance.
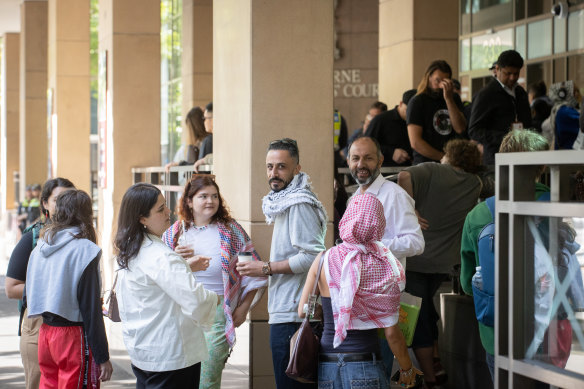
(413, 33)
(197, 54)
(68, 82)
(272, 78)
(9, 119)
(129, 49)
(33, 95)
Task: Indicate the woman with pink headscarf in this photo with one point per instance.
(360, 286)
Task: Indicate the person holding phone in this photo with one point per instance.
(434, 115)
(208, 237)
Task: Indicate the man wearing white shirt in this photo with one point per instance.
(402, 235)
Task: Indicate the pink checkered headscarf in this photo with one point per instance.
(364, 278)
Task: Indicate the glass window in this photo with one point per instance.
(576, 30)
(553, 331)
(538, 7)
(576, 70)
(559, 35)
(486, 48)
(520, 40)
(519, 9)
(489, 13)
(559, 69)
(539, 38)
(465, 16)
(170, 79)
(465, 55)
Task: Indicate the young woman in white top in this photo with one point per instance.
(207, 235)
(162, 306)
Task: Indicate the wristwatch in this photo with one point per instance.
(267, 269)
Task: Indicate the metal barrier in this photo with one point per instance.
(171, 183)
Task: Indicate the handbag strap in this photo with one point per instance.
(115, 280)
(322, 255)
(312, 297)
(113, 289)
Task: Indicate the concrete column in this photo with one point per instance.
(197, 54)
(9, 119)
(68, 81)
(33, 95)
(273, 78)
(129, 37)
(413, 33)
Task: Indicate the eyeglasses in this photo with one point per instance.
(207, 117)
(286, 141)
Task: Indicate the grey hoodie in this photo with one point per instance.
(54, 271)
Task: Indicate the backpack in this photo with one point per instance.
(36, 230)
(484, 299)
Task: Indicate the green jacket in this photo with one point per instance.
(475, 221)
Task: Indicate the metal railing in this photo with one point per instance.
(171, 182)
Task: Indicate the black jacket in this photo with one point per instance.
(391, 132)
(493, 112)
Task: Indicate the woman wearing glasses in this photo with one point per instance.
(214, 242)
(162, 306)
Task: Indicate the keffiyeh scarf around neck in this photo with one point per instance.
(364, 278)
(299, 191)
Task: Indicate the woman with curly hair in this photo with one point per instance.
(207, 235)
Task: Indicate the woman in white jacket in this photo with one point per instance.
(161, 304)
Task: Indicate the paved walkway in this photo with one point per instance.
(235, 375)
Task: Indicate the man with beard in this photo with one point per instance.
(402, 235)
(299, 230)
(500, 106)
(434, 115)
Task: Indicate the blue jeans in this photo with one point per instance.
(387, 356)
(351, 375)
(280, 335)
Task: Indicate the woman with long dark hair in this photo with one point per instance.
(188, 153)
(162, 306)
(215, 242)
(360, 285)
(28, 328)
(72, 341)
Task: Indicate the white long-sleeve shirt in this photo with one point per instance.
(162, 307)
(402, 235)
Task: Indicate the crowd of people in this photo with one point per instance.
(182, 288)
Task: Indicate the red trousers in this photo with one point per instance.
(65, 359)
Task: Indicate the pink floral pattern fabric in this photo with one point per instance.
(364, 277)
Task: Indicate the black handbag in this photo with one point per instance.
(305, 345)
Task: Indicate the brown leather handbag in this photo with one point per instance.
(305, 345)
(112, 310)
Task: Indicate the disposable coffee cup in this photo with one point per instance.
(245, 256)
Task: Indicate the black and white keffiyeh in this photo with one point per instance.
(299, 191)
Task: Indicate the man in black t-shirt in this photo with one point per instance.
(434, 115)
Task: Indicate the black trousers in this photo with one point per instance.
(181, 378)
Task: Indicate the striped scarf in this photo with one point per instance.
(364, 278)
(233, 240)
